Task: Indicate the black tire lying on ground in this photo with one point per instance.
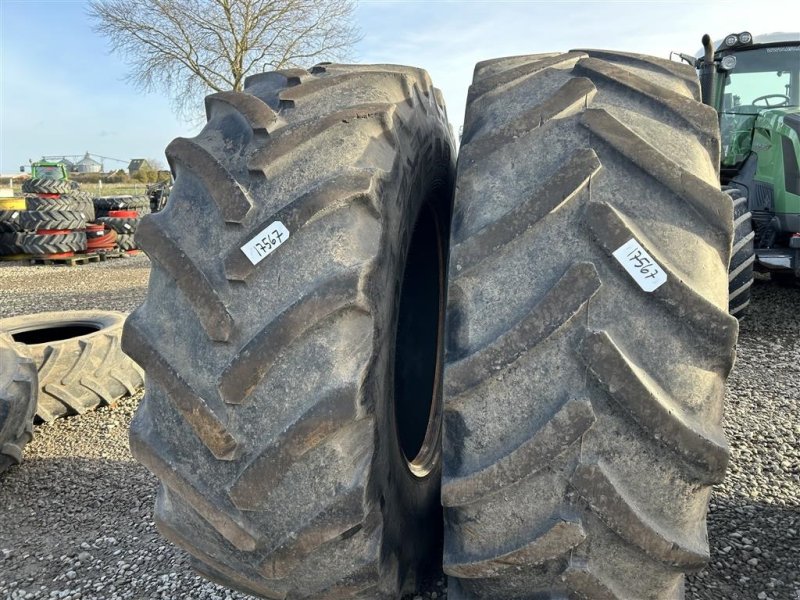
(583, 403)
(48, 186)
(10, 244)
(122, 225)
(78, 355)
(18, 385)
(740, 272)
(126, 242)
(9, 221)
(33, 220)
(270, 415)
(44, 244)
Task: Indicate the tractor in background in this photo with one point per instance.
(49, 178)
(45, 169)
(753, 82)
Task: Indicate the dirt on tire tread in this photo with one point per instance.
(548, 429)
(285, 166)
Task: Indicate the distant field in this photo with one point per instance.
(106, 189)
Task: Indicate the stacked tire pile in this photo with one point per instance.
(49, 221)
(119, 217)
(53, 224)
(10, 228)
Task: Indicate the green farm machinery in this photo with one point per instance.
(48, 178)
(754, 84)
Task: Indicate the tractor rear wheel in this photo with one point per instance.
(291, 334)
(588, 335)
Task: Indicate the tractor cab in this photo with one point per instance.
(48, 170)
(754, 84)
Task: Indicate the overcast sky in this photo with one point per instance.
(61, 92)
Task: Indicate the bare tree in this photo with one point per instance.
(191, 47)
(157, 164)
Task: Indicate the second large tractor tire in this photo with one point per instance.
(588, 338)
(291, 334)
(18, 386)
(79, 358)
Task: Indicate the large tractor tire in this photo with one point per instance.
(79, 202)
(44, 244)
(85, 206)
(743, 257)
(37, 203)
(123, 225)
(141, 204)
(41, 185)
(588, 338)
(79, 357)
(292, 408)
(17, 401)
(34, 220)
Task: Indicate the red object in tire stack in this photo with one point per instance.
(100, 238)
(52, 224)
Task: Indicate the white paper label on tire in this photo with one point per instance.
(646, 272)
(265, 243)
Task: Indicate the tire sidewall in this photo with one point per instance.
(412, 519)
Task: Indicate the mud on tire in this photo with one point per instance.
(79, 359)
(582, 414)
(269, 413)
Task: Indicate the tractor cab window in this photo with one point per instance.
(763, 79)
(742, 90)
(48, 172)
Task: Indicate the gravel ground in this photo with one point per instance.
(76, 520)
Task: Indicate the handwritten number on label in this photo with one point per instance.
(265, 242)
(644, 270)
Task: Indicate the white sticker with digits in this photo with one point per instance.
(265, 243)
(646, 272)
